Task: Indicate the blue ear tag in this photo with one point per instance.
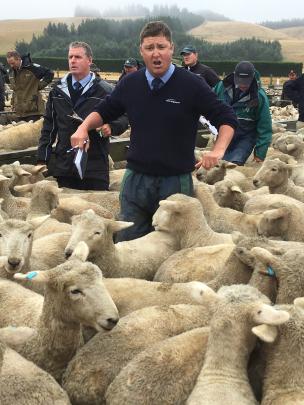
(31, 275)
(270, 272)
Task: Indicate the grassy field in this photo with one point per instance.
(291, 39)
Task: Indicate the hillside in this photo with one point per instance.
(13, 30)
(291, 39)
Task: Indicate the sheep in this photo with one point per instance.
(223, 378)
(21, 382)
(199, 263)
(97, 363)
(16, 239)
(291, 144)
(276, 175)
(16, 174)
(15, 207)
(162, 374)
(18, 305)
(138, 258)
(21, 137)
(260, 203)
(283, 380)
(76, 205)
(131, 294)
(44, 198)
(116, 177)
(74, 295)
(225, 219)
(287, 270)
(183, 218)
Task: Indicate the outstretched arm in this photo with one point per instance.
(81, 136)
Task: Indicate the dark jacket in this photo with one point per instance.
(59, 125)
(294, 90)
(206, 72)
(2, 93)
(26, 83)
(252, 111)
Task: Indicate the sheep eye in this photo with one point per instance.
(0, 235)
(97, 233)
(29, 235)
(76, 291)
(273, 169)
(259, 312)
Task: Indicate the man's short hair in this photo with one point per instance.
(84, 45)
(154, 29)
(13, 54)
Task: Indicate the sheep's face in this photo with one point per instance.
(16, 238)
(290, 144)
(87, 298)
(47, 192)
(211, 176)
(273, 173)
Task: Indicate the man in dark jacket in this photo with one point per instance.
(190, 62)
(2, 93)
(294, 89)
(26, 79)
(73, 98)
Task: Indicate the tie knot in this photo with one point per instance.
(157, 83)
(77, 86)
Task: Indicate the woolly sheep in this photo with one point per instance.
(74, 295)
(131, 294)
(183, 218)
(199, 263)
(15, 207)
(97, 363)
(21, 137)
(21, 382)
(223, 378)
(276, 175)
(284, 374)
(138, 258)
(162, 374)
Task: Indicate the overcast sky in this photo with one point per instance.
(254, 11)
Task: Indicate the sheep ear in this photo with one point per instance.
(80, 252)
(236, 189)
(33, 276)
(39, 169)
(16, 163)
(25, 188)
(116, 226)
(171, 205)
(228, 165)
(291, 147)
(266, 333)
(36, 222)
(22, 172)
(200, 292)
(3, 178)
(299, 305)
(263, 313)
(278, 213)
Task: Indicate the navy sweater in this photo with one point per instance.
(164, 122)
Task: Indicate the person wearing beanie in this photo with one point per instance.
(191, 63)
(242, 91)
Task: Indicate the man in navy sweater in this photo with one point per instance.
(163, 104)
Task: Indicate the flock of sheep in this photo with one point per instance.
(207, 309)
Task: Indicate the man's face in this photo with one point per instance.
(79, 63)
(243, 87)
(157, 54)
(14, 62)
(190, 59)
(129, 69)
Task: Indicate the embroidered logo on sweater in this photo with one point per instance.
(171, 100)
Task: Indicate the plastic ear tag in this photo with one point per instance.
(270, 272)
(31, 275)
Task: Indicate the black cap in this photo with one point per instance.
(188, 49)
(131, 62)
(244, 73)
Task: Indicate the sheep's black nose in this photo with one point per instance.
(112, 322)
(14, 262)
(255, 182)
(68, 253)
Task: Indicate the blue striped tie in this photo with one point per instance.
(157, 83)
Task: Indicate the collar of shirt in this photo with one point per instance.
(164, 78)
(83, 81)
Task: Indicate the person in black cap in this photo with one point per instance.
(241, 90)
(130, 65)
(190, 62)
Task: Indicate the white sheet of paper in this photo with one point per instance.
(77, 162)
(212, 128)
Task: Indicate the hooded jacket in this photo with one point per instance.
(26, 83)
(59, 125)
(252, 111)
